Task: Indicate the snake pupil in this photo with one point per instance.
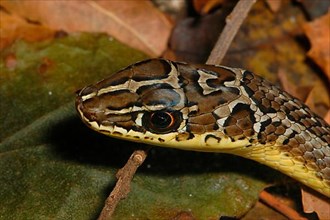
(161, 119)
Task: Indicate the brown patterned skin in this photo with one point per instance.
(227, 109)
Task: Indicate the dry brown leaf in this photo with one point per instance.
(318, 32)
(136, 23)
(313, 96)
(205, 6)
(318, 100)
(291, 87)
(327, 117)
(13, 27)
(261, 209)
(192, 39)
(274, 5)
(314, 8)
(314, 202)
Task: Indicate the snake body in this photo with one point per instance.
(212, 109)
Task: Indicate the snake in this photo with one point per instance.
(211, 108)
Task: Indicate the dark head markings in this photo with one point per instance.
(156, 69)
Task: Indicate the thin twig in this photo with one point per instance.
(233, 23)
(122, 188)
(274, 203)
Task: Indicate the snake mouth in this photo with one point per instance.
(82, 111)
(85, 113)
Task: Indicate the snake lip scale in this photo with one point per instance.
(213, 109)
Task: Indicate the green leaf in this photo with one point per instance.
(52, 166)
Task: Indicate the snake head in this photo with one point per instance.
(161, 102)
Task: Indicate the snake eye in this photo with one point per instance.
(162, 121)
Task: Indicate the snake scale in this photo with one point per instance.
(212, 109)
